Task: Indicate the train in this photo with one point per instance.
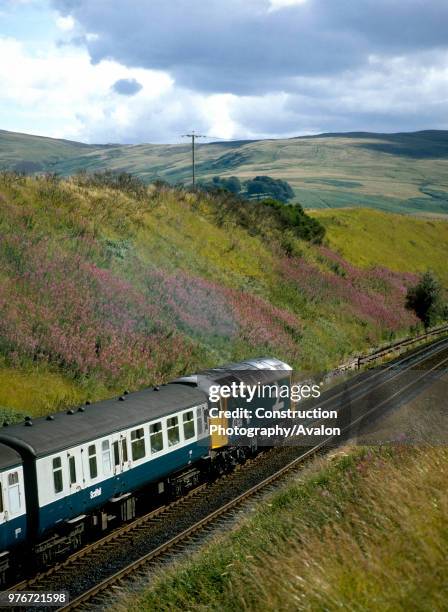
(68, 477)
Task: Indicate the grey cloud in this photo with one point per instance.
(127, 87)
(238, 46)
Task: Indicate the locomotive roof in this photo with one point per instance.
(99, 419)
(263, 369)
(9, 458)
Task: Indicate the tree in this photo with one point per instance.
(267, 186)
(425, 299)
(292, 216)
(233, 184)
(218, 183)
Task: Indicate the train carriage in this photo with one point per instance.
(13, 522)
(100, 455)
(71, 473)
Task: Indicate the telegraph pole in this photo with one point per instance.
(193, 137)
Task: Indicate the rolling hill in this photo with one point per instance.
(405, 172)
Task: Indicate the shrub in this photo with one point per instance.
(122, 181)
(425, 299)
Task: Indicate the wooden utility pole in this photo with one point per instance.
(193, 137)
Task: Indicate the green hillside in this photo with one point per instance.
(367, 237)
(104, 289)
(27, 153)
(391, 172)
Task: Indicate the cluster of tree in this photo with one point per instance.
(230, 183)
(266, 186)
(257, 188)
(269, 218)
(294, 217)
(426, 300)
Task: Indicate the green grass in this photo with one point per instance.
(37, 391)
(392, 172)
(367, 238)
(364, 531)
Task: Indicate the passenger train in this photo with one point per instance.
(71, 475)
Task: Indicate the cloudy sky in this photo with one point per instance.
(150, 70)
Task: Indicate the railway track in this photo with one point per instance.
(165, 532)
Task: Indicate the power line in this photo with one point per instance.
(193, 137)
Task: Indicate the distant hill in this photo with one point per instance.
(403, 172)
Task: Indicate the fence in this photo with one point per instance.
(388, 350)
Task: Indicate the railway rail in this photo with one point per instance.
(155, 537)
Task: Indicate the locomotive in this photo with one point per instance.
(74, 474)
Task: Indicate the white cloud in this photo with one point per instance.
(275, 5)
(61, 89)
(218, 109)
(66, 24)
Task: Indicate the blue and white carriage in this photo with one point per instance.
(74, 471)
(13, 520)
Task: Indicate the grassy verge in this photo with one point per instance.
(363, 531)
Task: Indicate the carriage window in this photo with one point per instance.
(201, 420)
(72, 469)
(105, 450)
(13, 493)
(57, 475)
(156, 437)
(1, 498)
(93, 467)
(124, 450)
(188, 419)
(173, 430)
(116, 448)
(138, 444)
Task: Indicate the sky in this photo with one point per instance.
(135, 71)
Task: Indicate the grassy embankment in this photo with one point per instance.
(365, 531)
(366, 237)
(104, 289)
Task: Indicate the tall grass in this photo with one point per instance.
(367, 532)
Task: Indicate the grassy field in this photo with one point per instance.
(104, 290)
(367, 237)
(363, 530)
(391, 172)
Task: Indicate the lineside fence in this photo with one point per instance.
(390, 350)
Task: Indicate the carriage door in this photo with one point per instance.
(2, 501)
(120, 453)
(3, 536)
(75, 471)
